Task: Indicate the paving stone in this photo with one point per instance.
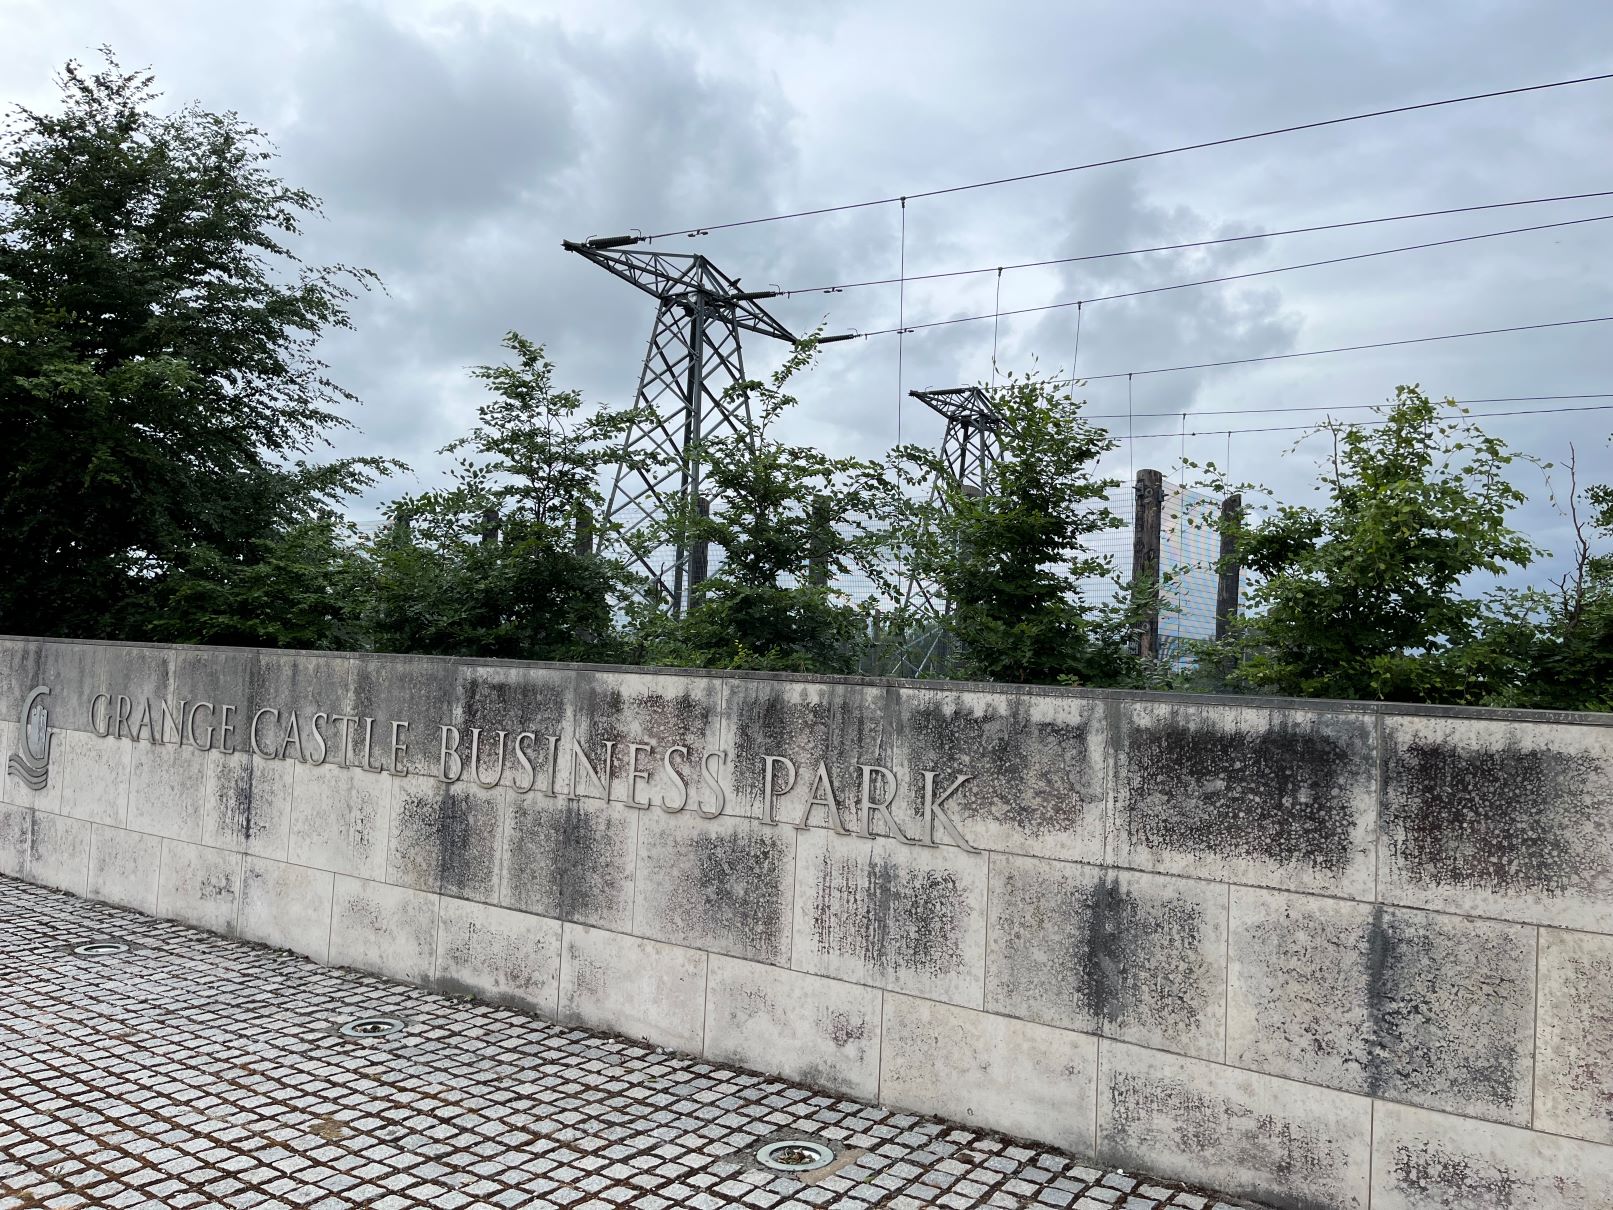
(200, 1071)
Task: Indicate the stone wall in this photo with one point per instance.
(1314, 954)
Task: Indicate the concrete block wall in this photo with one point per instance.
(1325, 956)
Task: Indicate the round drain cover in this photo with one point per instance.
(371, 1027)
(100, 949)
(795, 1155)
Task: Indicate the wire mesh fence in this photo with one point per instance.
(1189, 546)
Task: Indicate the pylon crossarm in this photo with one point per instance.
(687, 280)
(970, 406)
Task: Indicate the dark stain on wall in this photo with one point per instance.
(234, 804)
(445, 838)
(772, 721)
(1100, 955)
(1027, 770)
(1283, 792)
(1124, 955)
(604, 713)
(666, 721)
(414, 859)
(724, 890)
(1283, 1164)
(419, 692)
(20, 666)
(222, 677)
(1439, 1177)
(596, 718)
(304, 683)
(1140, 962)
(1443, 1008)
(599, 704)
(1411, 1006)
(215, 885)
(496, 702)
(75, 674)
(467, 844)
(566, 861)
(1507, 819)
(1040, 928)
(844, 1029)
(17, 835)
(891, 917)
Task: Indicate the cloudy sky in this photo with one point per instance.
(456, 145)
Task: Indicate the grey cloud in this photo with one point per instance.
(456, 147)
(405, 127)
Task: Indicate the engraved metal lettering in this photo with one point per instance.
(369, 744)
(190, 726)
(293, 736)
(256, 718)
(771, 789)
(167, 717)
(476, 758)
(676, 778)
(101, 729)
(450, 752)
(578, 754)
(145, 724)
(933, 811)
(635, 775)
(400, 750)
(713, 780)
(525, 762)
(823, 795)
(347, 721)
(318, 737)
(868, 807)
(554, 760)
(667, 782)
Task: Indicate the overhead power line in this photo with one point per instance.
(1328, 407)
(839, 287)
(1348, 424)
(1231, 277)
(1380, 344)
(1134, 158)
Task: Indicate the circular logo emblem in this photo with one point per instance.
(31, 763)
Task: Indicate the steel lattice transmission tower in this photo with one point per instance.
(969, 448)
(694, 357)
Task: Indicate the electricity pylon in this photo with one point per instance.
(693, 358)
(970, 446)
(968, 449)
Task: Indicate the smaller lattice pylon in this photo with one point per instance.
(969, 446)
(968, 449)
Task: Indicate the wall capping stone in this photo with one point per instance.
(1255, 701)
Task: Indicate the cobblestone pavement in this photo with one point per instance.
(197, 1071)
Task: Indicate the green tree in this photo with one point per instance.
(787, 520)
(1012, 560)
(304, 587)
(157, 365)
(503, 562)
(1560, 641)
(1371, 595)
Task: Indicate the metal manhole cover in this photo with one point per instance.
(99, 949)
(372, 1027)
(795, 1155)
